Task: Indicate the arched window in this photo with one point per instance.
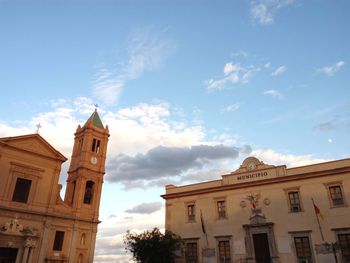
(73, 194)
(80, 258)
(82, 239)
(88, 192)
(95, 146)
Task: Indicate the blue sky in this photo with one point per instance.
(188, 88)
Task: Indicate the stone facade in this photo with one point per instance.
(36, 224)
(265, 213)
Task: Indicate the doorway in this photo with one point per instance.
(261, 248)
(8, 255)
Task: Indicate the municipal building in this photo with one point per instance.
(265, 213)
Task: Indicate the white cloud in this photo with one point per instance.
(233, 74)
(278, 71)
(273, 93)
(146, 50)
(331, 70)
(229, 68)
(264, 11)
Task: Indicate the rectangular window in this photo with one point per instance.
(58, 242)
(22, 190)
(221, 209)
(344, 244)
(191, 254)
(336, 195)
(294, 201)
(302, 249)
(191, 212)
(224, 251)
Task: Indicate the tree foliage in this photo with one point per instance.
(153, 246)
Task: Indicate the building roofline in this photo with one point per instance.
(59, 156)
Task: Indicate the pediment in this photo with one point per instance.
(252, 169)
(33, 143)
(251, 164)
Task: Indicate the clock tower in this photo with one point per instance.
(87, 168)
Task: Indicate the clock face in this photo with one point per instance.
(93, 160)
(251, 166)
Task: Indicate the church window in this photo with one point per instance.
(58, 242)
(73, 195)
(191, 252)
(221, 208)
(82, 239)
(88, 192)
(95, 147)
(80, 258)
(22, 190)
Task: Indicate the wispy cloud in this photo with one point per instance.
(273, 93)
(264, 11)
(145, 208)
(231, 108)
(340, 121)
(278, 71)
(331, 70)
(267, 65)
(146, 50)
(277, 158)
(233, 74)
(325, 126)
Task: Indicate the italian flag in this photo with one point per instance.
(318, 211)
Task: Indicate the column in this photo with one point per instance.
(44, 241)
(25, 255)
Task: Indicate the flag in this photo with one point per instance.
(202, 223)
(318, 211)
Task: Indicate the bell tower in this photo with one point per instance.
(87, 168)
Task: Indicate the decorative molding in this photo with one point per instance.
(15, 228)
(26, 169)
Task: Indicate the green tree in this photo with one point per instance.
(153, 246)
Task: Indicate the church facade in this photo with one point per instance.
(265, 213)
(36, 224)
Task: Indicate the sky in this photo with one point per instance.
(188, 89)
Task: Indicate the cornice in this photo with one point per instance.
(276, 180)
(52, 215)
